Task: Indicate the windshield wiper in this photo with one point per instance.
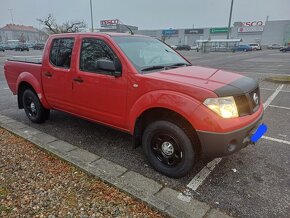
(156, 67)
(179, 65)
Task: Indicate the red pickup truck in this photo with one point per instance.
(177, 112)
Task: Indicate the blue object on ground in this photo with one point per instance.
(262, 129)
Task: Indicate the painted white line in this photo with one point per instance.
(288, 108)
(267, 89)
(276, 74)
(273, 96)
(203, 174)
(284, 90)
(4, 88)
(276, 140)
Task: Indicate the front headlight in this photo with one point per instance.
(225, 106)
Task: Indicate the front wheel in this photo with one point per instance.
(168, 149)
(33, 107)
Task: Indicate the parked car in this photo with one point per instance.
(173, 46)
(2, 48)
(193, 47)
(29, 44)
(255, 46)
(275, 46)
(38, 46)
(9, 47)
(183, 47)
(177, 112)
(285, 49)
(21, 47)
(243, 48)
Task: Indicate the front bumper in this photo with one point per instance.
(222, 144)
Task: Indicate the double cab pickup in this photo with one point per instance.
(177, 112)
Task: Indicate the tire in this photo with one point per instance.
(176, 162)
(33, 107)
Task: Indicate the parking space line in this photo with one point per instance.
(200, 177)
(267, 89)
(276, 140)
(273, 96)
(284, 90)
(288, 108)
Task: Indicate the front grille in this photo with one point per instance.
(246, 104)
(255, 105)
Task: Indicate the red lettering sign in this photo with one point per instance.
(253, 23)
(109, 22)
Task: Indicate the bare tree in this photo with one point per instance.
(21, 38)
(67, 27)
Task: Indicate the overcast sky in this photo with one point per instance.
(146, 14)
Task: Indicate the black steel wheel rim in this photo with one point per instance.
(30, 107)
(166, 149)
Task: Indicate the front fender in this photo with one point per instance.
(36, 85)
(177, 102)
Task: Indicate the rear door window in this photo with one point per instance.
(61, 51)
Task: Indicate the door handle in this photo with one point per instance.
(78, 79)
(48, 74)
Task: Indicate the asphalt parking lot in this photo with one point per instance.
(254, 182)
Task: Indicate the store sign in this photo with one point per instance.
(250, 29)
(193, 31)
(219, 30)
(169, 32)
(105, 23)
(253, 23)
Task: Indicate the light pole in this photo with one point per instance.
(230, 19)
(11, 13)
(92, 22)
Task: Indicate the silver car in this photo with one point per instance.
(274, 46)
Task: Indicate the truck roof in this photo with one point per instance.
(95, 34)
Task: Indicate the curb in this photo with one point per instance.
(166, 200)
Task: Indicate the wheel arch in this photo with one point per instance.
(27, 81)
(161, 113)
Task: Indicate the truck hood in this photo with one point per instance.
(221, 82)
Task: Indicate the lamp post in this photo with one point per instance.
(230, 19)
(11, 13)
(92, 22)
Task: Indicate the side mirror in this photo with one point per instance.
(106, 65)
(110, 66)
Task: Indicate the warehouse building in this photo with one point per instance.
(265, 33)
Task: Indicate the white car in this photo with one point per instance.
(173, 46)
(255, 46)
(193, 47)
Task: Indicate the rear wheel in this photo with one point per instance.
(168, 149)
(33, 107)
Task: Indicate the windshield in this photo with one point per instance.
(147, 53)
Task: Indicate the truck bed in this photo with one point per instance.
(13, 68)
(27, 59)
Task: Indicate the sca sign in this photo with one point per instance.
(169, 32)
(219, 30)
(105, 23)
(253, 23)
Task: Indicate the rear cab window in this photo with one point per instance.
(61, 52)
